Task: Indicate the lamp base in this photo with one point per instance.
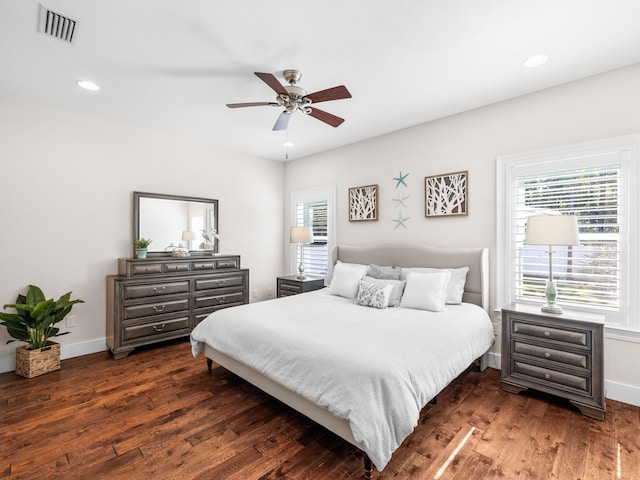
(301, 271)
(551, 309)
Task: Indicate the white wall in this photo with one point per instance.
(66, 207)
(602, 106)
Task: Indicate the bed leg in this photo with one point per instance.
(368, 467)
(209, 365)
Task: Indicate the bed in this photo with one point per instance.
(363, 373)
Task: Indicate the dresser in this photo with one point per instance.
(557, 354)
(292, 285)
(161, 298)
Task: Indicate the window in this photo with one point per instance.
(314, 208)
(596, 182)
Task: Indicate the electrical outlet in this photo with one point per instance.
(270, 292)
(255, 293)
(71, 321)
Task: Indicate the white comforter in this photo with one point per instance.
(375, 368)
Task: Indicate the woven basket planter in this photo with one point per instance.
(31, 363)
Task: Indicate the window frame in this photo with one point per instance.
(626, 151)
(317, 194)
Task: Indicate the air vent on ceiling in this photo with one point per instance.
(56, 25)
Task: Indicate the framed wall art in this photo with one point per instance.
(446, 195)
(363, 203)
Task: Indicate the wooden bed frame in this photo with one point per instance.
(395, 254)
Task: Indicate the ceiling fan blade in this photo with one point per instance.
(283, 121)
(251, 104)
(273, 82)
(335, 93)
(325, 117)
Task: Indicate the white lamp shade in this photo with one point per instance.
(300, 235)
(188, 236)
(552, 230)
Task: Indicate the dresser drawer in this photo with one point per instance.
(155, 289)
(203, 265)
(177, 267)
(149, 309)
(221, 281)
(228, 263)
(146, 268)
(567, 358)
(236, 297)
(580, 338)
(202, 313)
(132, 332)
(549, 375)
(289, 289)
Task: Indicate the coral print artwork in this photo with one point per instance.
(446, 195)
(363, 203)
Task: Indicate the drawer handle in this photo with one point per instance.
(547, 355)
(159, 328)
(221, 299)
(159, 290)
(220, 282)
(547, 333)
(159, 309)
(547, 376)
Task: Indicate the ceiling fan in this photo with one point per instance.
(294, 98)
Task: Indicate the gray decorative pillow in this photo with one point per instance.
(396, 291)
(387, 273)
(376, 296)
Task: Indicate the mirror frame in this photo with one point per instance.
(161, 253)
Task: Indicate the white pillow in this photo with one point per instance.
(426, 291)
(371, 295)
(346, 279)
(455, 288)
(396, 285)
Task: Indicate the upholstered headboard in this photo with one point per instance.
(420, 255)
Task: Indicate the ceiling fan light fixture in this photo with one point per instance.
(88, 85)
(535, 60)
(293, 99)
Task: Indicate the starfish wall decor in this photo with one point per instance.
(400, 221)
(400, 179)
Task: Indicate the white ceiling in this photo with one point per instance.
(172, 65)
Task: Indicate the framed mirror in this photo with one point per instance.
(173, 221)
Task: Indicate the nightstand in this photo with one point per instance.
(560, 354)
(291, 285)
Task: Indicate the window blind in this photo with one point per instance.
(588, 274)
(314, 215)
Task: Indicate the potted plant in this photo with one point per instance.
(141, 245)
(34, 323)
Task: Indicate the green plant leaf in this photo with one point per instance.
(34, 295)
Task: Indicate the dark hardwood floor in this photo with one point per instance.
(158, 415)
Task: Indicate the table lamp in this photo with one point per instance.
(300, 235)
(551, 230)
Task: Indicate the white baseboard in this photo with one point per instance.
(622, 393)
(8, 361)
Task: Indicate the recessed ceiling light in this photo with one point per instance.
(288, 144)
(87, 85)
(535, 60)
